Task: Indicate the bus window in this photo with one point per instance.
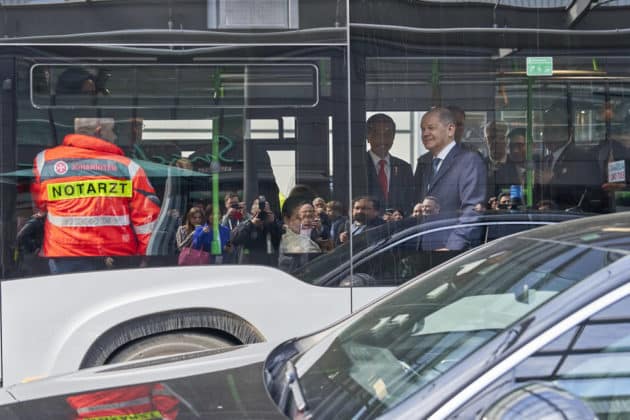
(200, 133)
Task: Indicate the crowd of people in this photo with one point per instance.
(450, 179)
(563, 175)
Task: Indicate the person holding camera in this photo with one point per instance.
(258, 237)
(233, 211)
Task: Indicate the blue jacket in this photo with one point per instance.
(459, 185)
(203, 239)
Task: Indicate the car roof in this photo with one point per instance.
(611, 231)
(372, 240)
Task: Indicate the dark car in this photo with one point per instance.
(532, 325)
(395, 252)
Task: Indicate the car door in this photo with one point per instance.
(588, 366)
(399, 262)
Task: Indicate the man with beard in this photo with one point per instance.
(365, 212)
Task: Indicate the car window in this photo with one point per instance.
(499, 230)
(396, 265)
(318, 270)
(383, 256)
(414, 256)
(590, 362)
(401, 345)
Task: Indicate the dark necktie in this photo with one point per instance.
(434, 168)
(434, 164)
(382, 177)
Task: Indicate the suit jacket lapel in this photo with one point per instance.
(370, 172)
(446, 165)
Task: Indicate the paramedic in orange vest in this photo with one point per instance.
(133, 402)
(97, 203)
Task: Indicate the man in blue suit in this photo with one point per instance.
(455, 176)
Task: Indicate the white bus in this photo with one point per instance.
(257, 98)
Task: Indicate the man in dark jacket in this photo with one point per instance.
(365, 211)
(568, 175)
(389, 179)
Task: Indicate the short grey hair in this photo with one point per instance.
(88, 126)
(445, 115)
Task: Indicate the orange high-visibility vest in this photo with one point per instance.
(97, 201)
(140, 402)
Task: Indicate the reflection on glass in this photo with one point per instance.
(403, 344)
(175, 86)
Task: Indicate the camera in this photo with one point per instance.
(262, 203)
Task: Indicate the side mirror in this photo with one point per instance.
(539, 401)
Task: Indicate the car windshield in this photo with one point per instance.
(401, 345)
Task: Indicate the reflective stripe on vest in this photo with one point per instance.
(89, 188)
(41, 159)
(88, 221)
(83, 167)
(114, 406)
(144, 229)
(133, 168)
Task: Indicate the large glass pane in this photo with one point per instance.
(576, 121)
(205, 157)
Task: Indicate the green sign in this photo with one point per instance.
(540, 66)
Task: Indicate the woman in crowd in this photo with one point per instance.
(296, 245)
(203, 236)
(184, 235)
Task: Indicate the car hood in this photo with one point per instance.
(225, 383)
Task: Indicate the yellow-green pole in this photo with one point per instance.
(529, 146)
(217, 125)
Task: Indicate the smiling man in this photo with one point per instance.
(389, 179)
(454, 176)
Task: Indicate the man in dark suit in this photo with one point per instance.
(454, 176)
(568, 175)
(512, 171)
(389, 179)
(365, 215)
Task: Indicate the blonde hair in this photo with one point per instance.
(193, 210)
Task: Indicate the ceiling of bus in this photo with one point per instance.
(320, 21)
